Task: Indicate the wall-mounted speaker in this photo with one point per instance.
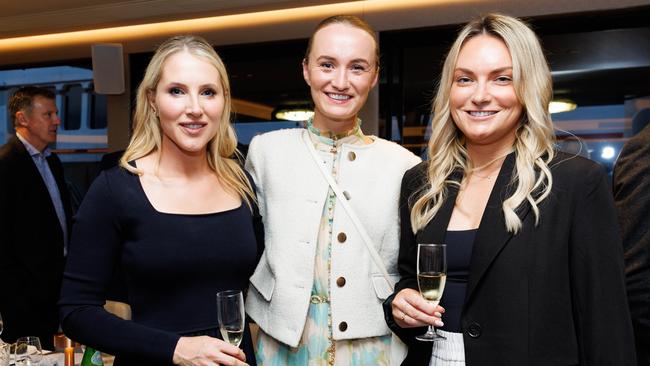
(108, 68)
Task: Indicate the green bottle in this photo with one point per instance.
(91, 357)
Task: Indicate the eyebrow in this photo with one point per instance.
(495, 71)
(172, 84)
(330, 58)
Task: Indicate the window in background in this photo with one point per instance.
(71, 114)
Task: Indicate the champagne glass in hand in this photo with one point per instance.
(28, 351)
(432, 274)
(230, 312)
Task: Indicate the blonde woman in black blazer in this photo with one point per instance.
(535, 261)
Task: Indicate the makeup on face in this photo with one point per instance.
(483, 101)
(340, 70)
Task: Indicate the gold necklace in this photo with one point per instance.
(473, 171)
(482, 176)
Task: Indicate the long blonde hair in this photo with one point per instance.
(535, 137)
(222, 155)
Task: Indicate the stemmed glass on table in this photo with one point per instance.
(231, 315)
(28, 351)
(432, 275)
(4, 348)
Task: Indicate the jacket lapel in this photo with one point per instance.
(29, 171)
(492, 235)
(436, 230)
(30, 178)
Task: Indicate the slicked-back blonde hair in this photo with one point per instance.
(535, 137)
(349, 20)
(223, 157)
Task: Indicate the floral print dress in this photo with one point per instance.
(316, 347)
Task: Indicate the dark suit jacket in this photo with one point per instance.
(31, 245)
(632, 198)
(551, 295)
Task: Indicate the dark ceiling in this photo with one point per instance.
(596, 58)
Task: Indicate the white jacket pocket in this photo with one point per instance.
(263, 279)
(382, 288)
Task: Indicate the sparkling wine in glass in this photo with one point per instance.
(230, 312)
(28, 351)
(432, 274)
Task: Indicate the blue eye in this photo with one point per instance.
(463, 80)
(176, 91)
(503, 79)
(358, 69)
(326, 66)
(209, 92)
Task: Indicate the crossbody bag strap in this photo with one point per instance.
(346, 205)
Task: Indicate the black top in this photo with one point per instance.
(173, 265)
(459, 252)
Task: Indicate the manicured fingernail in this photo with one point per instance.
(437, 315)
(439, 323)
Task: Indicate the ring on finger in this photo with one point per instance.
(404, 316)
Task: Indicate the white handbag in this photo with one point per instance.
(398, 349)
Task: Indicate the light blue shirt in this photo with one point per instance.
(40, 160)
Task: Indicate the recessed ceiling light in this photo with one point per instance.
(559, 106)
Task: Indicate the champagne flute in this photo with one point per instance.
(432, 274)
(1, 325)
(230, 312)
(28, 351)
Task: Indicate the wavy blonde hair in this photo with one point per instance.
(222, 155)
(535, 137)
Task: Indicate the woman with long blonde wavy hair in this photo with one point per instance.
(178, 217)
(534, 256)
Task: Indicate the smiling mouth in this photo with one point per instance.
(481, 113)
(193, 126)
(341, 97)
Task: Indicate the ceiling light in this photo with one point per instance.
(608, 153)
(559, 106)
(294, 114)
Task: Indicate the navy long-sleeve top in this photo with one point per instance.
(173, 266)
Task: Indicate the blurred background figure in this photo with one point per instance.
(632, 198)
(35, 218)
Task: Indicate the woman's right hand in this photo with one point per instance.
(204, 351)
(410, 310)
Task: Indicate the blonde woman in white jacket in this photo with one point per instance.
(317, 293)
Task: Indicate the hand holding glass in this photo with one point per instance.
(432, 274)
(28, 351)
(231, 315)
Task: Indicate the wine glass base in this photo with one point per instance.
(430, 338)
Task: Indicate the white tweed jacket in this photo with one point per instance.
(292, 194)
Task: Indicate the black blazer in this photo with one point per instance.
(632, 198)
(31, 245)
(551, 295)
